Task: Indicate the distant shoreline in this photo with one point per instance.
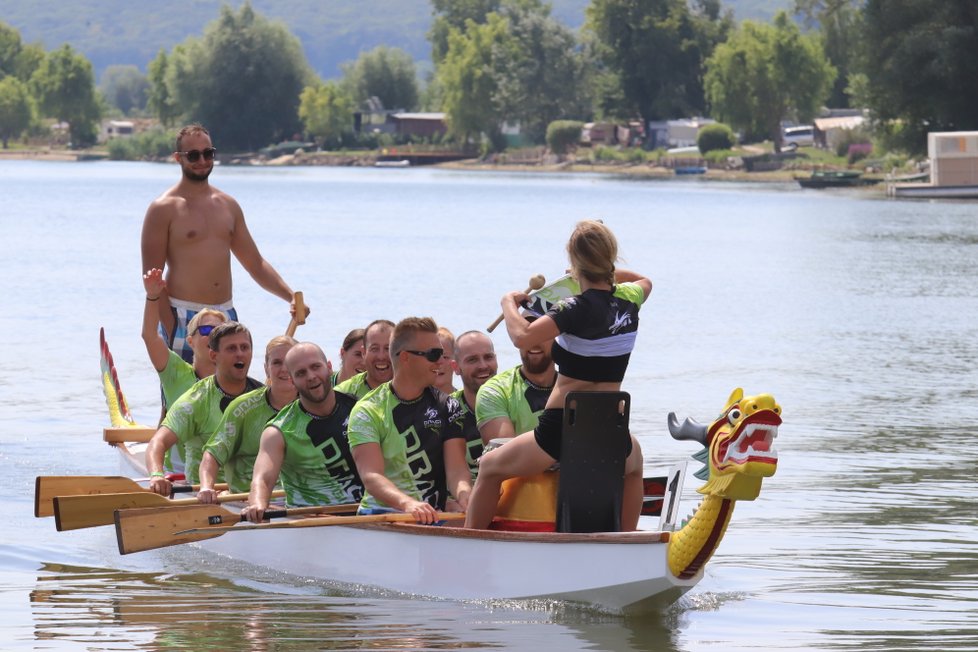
(637, 170)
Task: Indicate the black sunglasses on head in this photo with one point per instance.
(194, 155)
(431, 355)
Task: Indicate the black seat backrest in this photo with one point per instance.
(592, 461)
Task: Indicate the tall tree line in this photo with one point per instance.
(912, 63)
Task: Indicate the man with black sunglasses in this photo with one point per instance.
(402, 433)
(192, 229)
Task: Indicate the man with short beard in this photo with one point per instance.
(193, 228)
(306, 442)
(376, 360)
(475, 362)
(511, 402)
(194, 417)
(401, 434)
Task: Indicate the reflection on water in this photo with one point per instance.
(108, 609)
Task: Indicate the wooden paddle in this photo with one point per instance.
(125, 434)
(77, 512)
(46, 487)
(536, 282)
(149, 528)
(393, 517)
(300, 315)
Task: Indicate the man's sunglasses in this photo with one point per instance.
(194, 155)
(431, 355)
(205, 329)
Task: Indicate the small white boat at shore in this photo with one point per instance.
(623, 572)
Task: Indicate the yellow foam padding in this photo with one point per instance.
(533, 498)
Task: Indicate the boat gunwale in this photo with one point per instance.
(637, 537)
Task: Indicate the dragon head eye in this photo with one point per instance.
(733, 416)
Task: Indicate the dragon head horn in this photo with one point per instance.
(689, 429)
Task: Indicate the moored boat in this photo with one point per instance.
(835, 179)
(614, 571)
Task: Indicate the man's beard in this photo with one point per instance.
(190, 175)
(536, 364)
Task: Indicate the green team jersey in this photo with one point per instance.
(410, 435)
(356, 386)
(176, 378)
(509, 394)
(194, 417)
(468, 429)
(234, 444)
(318, 468)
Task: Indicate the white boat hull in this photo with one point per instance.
(620, 572)
(615, 571)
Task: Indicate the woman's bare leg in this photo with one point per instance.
(519, 457)
(631, 502)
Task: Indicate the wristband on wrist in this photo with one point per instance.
(156, 474)
(156, 299)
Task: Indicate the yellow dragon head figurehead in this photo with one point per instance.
(739, 445)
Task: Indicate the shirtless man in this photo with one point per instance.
(475, 362)
(376, 360)
(192, 229)
(511, 402)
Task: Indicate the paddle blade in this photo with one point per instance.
(46, 487)
(77, 512)
(149, 528)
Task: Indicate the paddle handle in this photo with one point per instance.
(300, 315)
(187, 488)
(536, 282)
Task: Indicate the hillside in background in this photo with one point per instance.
(332, 31)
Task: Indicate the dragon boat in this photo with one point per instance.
(622, 572)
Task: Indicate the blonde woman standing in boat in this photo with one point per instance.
(595, 333)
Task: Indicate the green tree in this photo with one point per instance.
(159, 101)
(16, 108)
(765, 74)
(9, 49)
(326, 110)
(65, 86)
(249, 79)
(540, 73)
(449, 15)
(655, 50)
(840, 25)
(468, 84)
(16, 59)
(30, 58)
(921, 66)
(125, 88)
(242, 79)
(386, 73)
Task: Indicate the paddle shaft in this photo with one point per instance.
(323, 521)
(536, 282)
(300, 315)
(84, 511)
(157, 527)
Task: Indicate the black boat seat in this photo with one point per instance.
(592, 461)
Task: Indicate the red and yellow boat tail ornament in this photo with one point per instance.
(739, 454)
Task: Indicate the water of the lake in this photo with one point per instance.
(859, 314)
